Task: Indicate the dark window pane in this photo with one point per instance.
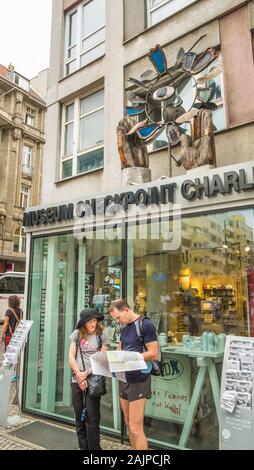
(67, 169)
(20, 281)
(90, 161)
(8, 285)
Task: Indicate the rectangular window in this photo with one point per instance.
(19, 241)
(21, 82)
(69, 130)
(27, 156)
(188, 96)
(219, 116)
(24, 196)
(85, 35)
(91, 121)
(158, 10)
(83, 139)
(30, 116)
(188, 295)
(68, 276)
(71, 52)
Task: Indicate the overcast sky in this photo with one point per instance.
(25, 35)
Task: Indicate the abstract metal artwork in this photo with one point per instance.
(168, 97)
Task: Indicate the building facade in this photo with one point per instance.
(191, 274)
(22, 137)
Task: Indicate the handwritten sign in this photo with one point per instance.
(171, 393)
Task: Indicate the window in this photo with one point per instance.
(83, 139)
(24, 196)
(12, 285)
(60, 301)
(158, 10)
(69, 129)
(85, 35)
(219, 116)
(21, 82)
(19, 242)
(71, 52)
(188, 296)
(30, 116)
(27, 156)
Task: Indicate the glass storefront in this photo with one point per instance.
(67, 275)
(207, 284)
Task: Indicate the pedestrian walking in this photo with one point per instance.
(11, 320)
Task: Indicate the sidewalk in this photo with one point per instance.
(9, 441)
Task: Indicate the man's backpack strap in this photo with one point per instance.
(138, 326)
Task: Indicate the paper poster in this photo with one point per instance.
(237, 400)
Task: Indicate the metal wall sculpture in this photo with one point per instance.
(166, 98)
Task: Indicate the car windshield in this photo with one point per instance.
(12, 285)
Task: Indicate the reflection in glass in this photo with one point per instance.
(68, 139)
(67, 169)
(67, 276)
(92, 130)
(187, 92)
(91, 160)
(93, 16)
(205, 285)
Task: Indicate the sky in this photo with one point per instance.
(25, 35)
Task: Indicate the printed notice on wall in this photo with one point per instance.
(237, 416)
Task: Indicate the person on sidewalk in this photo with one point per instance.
(11, 320)
(137, 390)
(87, 339)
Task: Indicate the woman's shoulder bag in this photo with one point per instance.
(96, 383)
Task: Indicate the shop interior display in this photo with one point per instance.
(207, 307)
(220, 303)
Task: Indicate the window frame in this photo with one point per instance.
(80, 52)
(77, 152)
(30, 154)
(30, 113)
(160, 5)
(24, 196)
(219, 101)
(20, 234)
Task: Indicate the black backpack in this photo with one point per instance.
(157, 366)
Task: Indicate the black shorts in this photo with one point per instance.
(135, 391)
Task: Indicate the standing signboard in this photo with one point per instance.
(171, 393)
(237, 415)
(250, 278)
(10, 361)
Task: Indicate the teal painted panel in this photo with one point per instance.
(171, 393)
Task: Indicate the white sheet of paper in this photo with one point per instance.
(100, 366)
(125, 361)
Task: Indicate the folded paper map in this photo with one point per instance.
(116, 363)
